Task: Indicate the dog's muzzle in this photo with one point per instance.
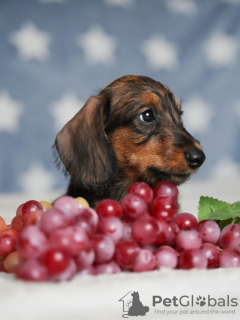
(195, 158)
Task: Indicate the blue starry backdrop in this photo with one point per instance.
(54, 54)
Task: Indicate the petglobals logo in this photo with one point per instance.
(132, 306)
(191, 301)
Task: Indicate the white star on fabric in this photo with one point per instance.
(160, 53)
(10, 111)
(120, 3)
(197, 115)
(221, 50)
(187, 7)
(64, 109)
(31, 43)
(98, 46)
(36, 179)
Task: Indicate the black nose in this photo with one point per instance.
(195, 158)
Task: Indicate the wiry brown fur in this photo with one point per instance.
(106, 146)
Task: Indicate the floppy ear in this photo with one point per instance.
(83, 146)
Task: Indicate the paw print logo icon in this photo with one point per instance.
(201, 301)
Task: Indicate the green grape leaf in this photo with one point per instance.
(208, 206)
(227, 212)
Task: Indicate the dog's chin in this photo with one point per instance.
(179, 179)
(156, 175)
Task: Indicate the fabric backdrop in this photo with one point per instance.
(54, 54)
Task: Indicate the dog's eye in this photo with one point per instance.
(147, 116)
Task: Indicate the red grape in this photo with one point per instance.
(108, 207)
(32, 217)
(172, 231)
(56, 260)
(32, 242)
(209, 231)
(107, 268)
(32, 270)
(103, 247)
(162, 232)
(17, 223)
(145, 261)
(67, 274)
(54, 219)
(166, 257)
(112, 227)
(85, 258)
(185, 220)
(194, 258)
(133, 206)
(126, 253)
(188, 239)
(73, 239)
(212, 254)
(145, 230)
(229, 258)
(230, 237)
(7, 244)
(165, 189)
(143, 189)
(164, 209)
(85, 222)
(30, 206)
(92, 214)
(68, 205)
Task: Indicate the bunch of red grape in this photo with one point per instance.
(144, 232)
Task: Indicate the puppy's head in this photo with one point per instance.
(132, 126)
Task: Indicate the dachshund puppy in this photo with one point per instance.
(131, 131)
